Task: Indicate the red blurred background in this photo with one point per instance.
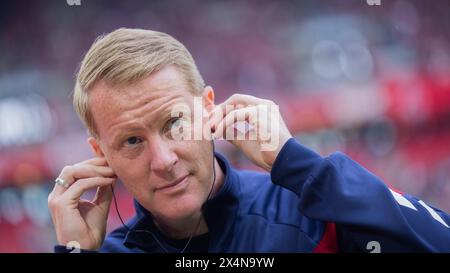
(372, 81)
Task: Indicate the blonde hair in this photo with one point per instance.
(126, 56)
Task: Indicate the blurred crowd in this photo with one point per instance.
(371, 81)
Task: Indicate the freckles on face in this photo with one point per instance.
(132, 123)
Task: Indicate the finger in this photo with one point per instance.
(98, 161)
(236, 101)
(103, 196)
(218, 115)
(74, 192)
(71, 173)
(245, 100)
(226, 127)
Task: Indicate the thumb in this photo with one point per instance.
(104, 195)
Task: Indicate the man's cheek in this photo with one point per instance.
(128, 178)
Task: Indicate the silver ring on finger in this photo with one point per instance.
(61, 182)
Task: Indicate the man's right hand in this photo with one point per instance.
(77, 219)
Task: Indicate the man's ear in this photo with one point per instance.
(95, 147)
(208, 98)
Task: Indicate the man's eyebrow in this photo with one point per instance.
(128, 129)
(124, 131)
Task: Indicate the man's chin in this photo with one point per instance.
(179, 209)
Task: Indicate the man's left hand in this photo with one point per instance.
(253, 125)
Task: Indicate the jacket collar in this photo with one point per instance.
(219, 212)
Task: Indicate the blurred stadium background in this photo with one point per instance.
(372, 81)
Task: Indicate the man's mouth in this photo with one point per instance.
(175, 185)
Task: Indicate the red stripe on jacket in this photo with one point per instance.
(328, 243)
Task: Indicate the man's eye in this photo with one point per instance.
(174, 123)
(131, 141)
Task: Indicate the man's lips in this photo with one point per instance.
(173, 184)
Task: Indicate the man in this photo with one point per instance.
(187, 197)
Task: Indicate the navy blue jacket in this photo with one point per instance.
(308, 203)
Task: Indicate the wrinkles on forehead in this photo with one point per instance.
(137, 104)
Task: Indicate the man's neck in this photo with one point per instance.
(192, 226)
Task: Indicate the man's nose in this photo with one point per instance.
(162, 156)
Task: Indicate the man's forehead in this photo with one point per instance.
(147, 86)
(110, 105)
(165, 82)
